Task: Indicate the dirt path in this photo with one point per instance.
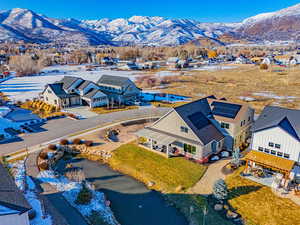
(213, 173)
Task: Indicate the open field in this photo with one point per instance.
(277, 85)
(259, 204)
(168, 174)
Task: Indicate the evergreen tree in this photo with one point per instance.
(220, 190)
(236, 157)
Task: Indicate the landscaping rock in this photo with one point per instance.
(218, 207)
(231, 215)
(151, 184)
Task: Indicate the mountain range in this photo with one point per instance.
(23, 24)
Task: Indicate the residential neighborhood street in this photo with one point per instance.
(55, 129)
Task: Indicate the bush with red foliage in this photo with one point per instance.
(88, 143)
(64, 142)
(44, 166)
(44, 155)
(52, 147)
(77, 141)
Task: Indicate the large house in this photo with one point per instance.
(74, 91)
(276, 140)
(234, 120)
(120, 90)
(200, 129)
(14, 208)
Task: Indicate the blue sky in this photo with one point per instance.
(202, 10)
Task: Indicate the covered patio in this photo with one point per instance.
(157, 141)
(264, 166)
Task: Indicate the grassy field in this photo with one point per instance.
(258, 203)
(243, 81)
(103, 110)
(169, 175)
(171, 105)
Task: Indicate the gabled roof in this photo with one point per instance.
(10, 196)
(68, 81)
(196, 115)
(58, 90)
(272, 116)
(84, 84)
(113, 80)
(92, 93)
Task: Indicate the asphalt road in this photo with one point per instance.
(58, 128)
(131, 201)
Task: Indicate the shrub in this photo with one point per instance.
(220, 190)
(44, 155)
(264, 66)
(64, 142)
(44, 166)
(52, 147)
(77, 141)
(95, 218)
(84, 196)
(88, 143)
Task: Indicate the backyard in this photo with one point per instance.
(169, 175)
(259, 204)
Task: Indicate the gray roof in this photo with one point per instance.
(196, 115)
(58, 90)
(113, 80)
(68, 81)
(10, 196)
(272, 116)
(92, 93)
(84, 84)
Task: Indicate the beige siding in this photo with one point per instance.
(172, 123)
(51, 98)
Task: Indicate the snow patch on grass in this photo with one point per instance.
(70, 191)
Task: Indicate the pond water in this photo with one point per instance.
(131, 201)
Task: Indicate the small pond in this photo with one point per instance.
(131, 201)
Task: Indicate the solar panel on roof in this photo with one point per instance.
(225, 109)
(199, 120)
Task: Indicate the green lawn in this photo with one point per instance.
(170, 175)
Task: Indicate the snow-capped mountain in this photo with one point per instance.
(273, 26)
(24, 24)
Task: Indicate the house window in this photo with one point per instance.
(55, 102)
(273, 152)
(267, 150)
(225, 125)
(184, 129)
(46, 98)
(271, 144)
(189, 149)
(277, 146)
(280, 154)
(261, 149)
(249, 118)
(241, 123)
(287, 156)
(219, 144)
(49, 91)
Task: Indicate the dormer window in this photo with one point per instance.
(184, 129)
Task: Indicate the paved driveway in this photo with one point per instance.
(83, 111)
(59, 128)
(212, 174)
